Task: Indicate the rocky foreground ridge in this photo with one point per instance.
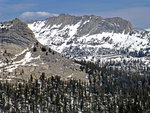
(21, 56)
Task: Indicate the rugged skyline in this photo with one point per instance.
(136, 11)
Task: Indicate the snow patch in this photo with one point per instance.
(147, 30)
(5, 79)
(86, 22)
(6, 26)
(70, 76)
(28, 58)
(20, 53)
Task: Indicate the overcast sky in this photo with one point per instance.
(136, 11)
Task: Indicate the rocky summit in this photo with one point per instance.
(15, 36)
(91, 24)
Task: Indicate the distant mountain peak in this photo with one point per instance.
(89, 36)
(91, 24)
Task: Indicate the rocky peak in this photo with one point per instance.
(120, 24)
(15, 35)
(16, 30)
(91, 24)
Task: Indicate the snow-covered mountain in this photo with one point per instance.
(93, 38)
(89, 35)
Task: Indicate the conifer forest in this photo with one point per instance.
(107, 91)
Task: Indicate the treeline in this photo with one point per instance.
(138, 65)
(107, 90)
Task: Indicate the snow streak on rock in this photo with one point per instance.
(14, 65)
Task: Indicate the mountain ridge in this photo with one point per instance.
(15, 36)
(68, 30)
(92, 21)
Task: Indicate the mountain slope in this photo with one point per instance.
(15, 36)
(21, 55)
